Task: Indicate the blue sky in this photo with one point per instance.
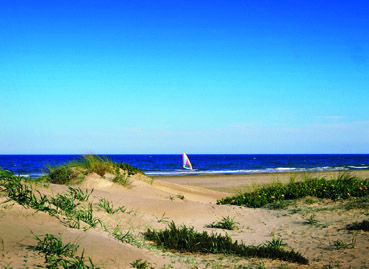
(171, 76)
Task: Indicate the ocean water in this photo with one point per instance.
(34, 165)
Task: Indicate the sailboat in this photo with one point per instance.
(186, 161)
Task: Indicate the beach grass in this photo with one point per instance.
(59, 255)
(63, 204)
(343, 187)
(93, 164)
(121, 178)
(109, 208)
(79, 194)
(226, 223)
(141, 264)
(186, 239)
(74, 208)
(75, 171)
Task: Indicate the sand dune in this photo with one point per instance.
(154, 205)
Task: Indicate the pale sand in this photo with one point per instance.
(154, 205)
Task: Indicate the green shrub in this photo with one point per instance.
(186, 239)
(60, 175)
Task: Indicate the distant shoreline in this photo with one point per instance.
(357, 171)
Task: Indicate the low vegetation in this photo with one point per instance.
(60, 175)
(312, 220)
(186, 239)
(109, 208)
(343, 187)
(127, 167)
(339, 244)
(75, 171)
(140, 264)
(59, 255)
(226, 223)
(78, 194)
(93, 164)
(121, 178)
(363, 225)
(64, 204)
(275, 243)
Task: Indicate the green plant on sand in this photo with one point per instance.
(59, 255)
(343, 187)
(140, 264)
(121, 178)
(225, 223)
(311, 220)
(76, 170)
(186, 239)
(105, 204)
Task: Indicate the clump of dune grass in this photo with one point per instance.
(59, 255)
(131, 170)
(343, 187)
(121, 178)
(78, 194)
(51, 245)
(93, 164)
(141, 264)
(226, 223)
(125, 237)
(186, 239)
(275, 243)
(103, 165)
(109, 208)
(75, 171)
(64, 204)
(339, 244)
(312, 220)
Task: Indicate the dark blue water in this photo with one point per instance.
(34, 165)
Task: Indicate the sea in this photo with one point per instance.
(203, 164)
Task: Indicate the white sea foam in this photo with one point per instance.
(251, 171)
(285, 168)
(358, 167)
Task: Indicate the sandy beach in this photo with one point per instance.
(189, 200)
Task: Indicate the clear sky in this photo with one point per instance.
(137, 76)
